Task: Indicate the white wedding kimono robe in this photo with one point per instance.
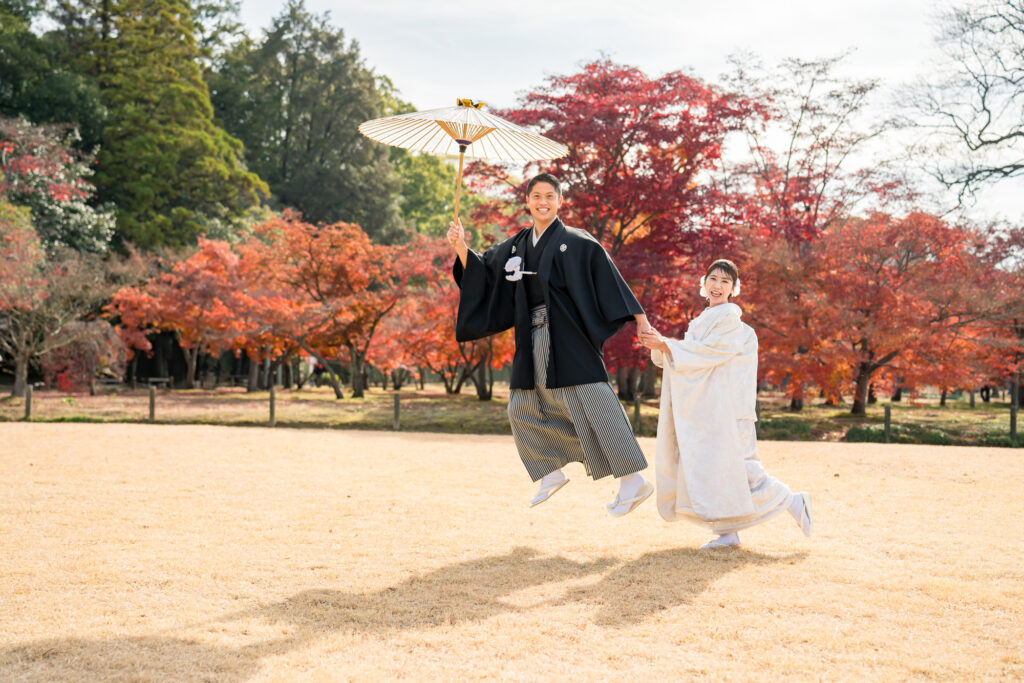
(706, 458)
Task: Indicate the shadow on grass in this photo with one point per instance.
(469, 591)
(662, 580)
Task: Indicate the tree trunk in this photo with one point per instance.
(626, 379)
(272, 373)
(286, 372)
(266, 379)
(448, 378)
(384, 380)
(483, 392)
(192, 358)
(872, 399)
(357, 372)
(942, 398)
(860, 393)
(464, 373)
(649, 383)
(332, 378)
(796, 397)
(254, 374)
(20, 375)
(160, 360)
(897, 395)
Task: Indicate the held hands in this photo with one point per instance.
(653, 340)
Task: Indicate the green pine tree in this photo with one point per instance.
(296, 98)
(167, 166)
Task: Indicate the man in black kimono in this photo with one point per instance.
(559, 289)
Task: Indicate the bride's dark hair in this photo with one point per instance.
(727, 266)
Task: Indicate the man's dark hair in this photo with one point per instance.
(545, 178)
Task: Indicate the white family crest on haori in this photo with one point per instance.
(514, 269)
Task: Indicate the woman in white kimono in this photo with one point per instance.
(706, 458)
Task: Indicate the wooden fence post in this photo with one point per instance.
(152, 403)
(398, 412)
(972, 398)
(888, 423)
(28, 403)
(273, 397)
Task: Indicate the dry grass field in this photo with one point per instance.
(917, 419)
(159, 552)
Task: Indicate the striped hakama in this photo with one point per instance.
(583, 423)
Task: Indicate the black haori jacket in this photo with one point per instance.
(587, 301)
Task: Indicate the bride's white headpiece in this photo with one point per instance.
(735, 288)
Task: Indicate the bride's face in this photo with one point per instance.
(718, 284)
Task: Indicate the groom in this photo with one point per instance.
(559, 289)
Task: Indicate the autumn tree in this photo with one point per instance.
(895, 283)
(41, 299)
(421, 334)
(196, 300)
(1000, 334)
(332, 287)
(638, 151)
(795, 183)
(96, 349)
(40, 170)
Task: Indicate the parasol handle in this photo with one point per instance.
(458, 179)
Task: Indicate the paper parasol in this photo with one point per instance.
(465, 129)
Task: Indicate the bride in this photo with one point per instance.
(707, 466)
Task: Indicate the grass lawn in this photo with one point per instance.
(920, 420)
(193, 552)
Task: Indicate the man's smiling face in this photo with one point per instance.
(543, 203)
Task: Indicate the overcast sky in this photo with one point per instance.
(437, 50)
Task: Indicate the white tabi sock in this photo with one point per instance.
(800, 509)
(552, 479)
(630, 485)
(796, 506)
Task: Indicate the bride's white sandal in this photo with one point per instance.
(805, 521)
(723, 541)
